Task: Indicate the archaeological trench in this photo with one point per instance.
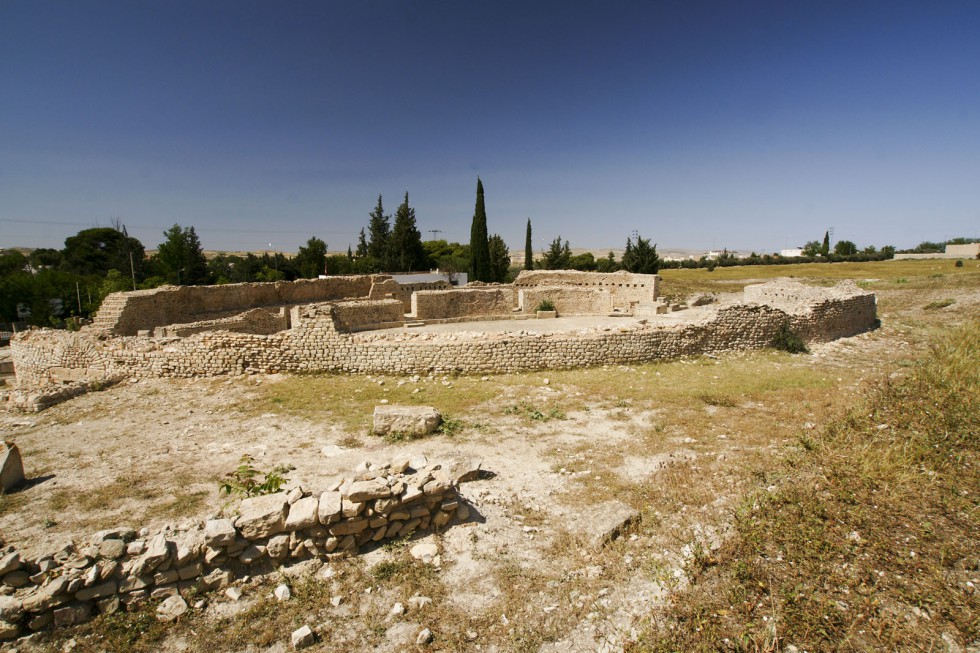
(357, 324)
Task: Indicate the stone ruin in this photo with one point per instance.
(122, 568)
(370, 324)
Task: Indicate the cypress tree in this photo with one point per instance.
(528, 252)
(479, 240)
(825, 248)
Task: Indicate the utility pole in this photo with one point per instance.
(434, 232)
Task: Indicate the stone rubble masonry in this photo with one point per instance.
(71, 585)
(625, 288)
(257, 320)
(474, 303)
(326, 336)
(568, 300)
(391, 289)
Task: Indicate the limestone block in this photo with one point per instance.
(409, 420)
(157, 551)
(70, 615)
(262, 516)
(99, 591)
(11, 466)
(172, 608)
(8, 630)
(10, 562)
(366, 490)
(349, 527)
(10, 609)
(278, 547)
(112, 549)
(607, 521)
(302, 514)
(331, 505)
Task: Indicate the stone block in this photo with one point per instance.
(302, 514)
(360, 491)
(330, 507)
(262, 516)
(219, 532)
(11, 466)
(408, 420)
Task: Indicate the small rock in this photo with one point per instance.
(425, 637)
(302, 637)
(233, 593)
(426, 551)
(282, 592)
(335, 601)
(172, 608)
(11, 466)
(397, 610)
(419, 602)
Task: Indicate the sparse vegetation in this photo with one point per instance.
(545, 305)
(244, 481)
(788, 340)
(942, 303)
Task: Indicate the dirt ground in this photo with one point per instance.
(681, 441)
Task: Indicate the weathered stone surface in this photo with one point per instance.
(70, 615)
(112, 549)
(262, 516)
(157, 551)
(133, 583)
(251, 554)
(10, 562)
(302, 638)
(426, 550)
(11, 466)
(408, 420)
(219, 532)
(8, 630)
(172, 608)
(463, 471)
(99, 591)
(282, 592)
(349, 527)
(331, 505)
(10, 609)
(302, 514)
(607, 521)
(367, 490)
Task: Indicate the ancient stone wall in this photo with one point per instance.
(625, 288)
(403, 291)
(123, 568)
(130, 312)
(258, 321)
(316, 342)
(359, 315)
(467, 302)
(568, 300)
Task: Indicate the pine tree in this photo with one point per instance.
(499, 259)
(528, 252)
(182, 257)
(379, 229)
(558, 256)
(641, 258)
(406, 250)
(479, 240)
(311, 260)
(825, 248)
(362, 247)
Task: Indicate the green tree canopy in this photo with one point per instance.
(310, 259)
(181, 259)
(558, 256)
(379, 236)
(100, 249)
(845, 248)
(479, 240)
(405, 245)
(641, 257)
(825, 248)
(499, 259)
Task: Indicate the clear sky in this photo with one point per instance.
(747, 125)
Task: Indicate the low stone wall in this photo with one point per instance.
(567, 300)
(128, 313)
(625, 288)
(358, 315)
(403, 291)
(259, 321)
(317, 343)
(467, 302)
(120, 568)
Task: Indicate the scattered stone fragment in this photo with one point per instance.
(172, 608)
(302, 637)
(282, 592)
(408, 420)
(425, 637)
(335, 601)
(11, 466)
(233, 593)
(426, 551)
(419, 602)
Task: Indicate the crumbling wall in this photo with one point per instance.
(317, 342)
(474, 303)
(358, 315)
(403, 291)
(257, 320)
(625, 288)
(123, 568)
(128, 313)
(568, 300)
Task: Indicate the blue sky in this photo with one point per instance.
(747, 125)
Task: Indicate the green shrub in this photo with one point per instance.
(245, 479)
(788, 340)
(546, 305)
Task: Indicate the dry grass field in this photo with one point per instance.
(822, 501)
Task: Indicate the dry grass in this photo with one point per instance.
(869, 538)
